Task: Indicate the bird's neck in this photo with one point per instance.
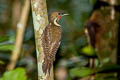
(55, 22)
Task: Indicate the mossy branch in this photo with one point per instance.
(40, 20)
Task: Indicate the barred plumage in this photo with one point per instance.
(51, 38)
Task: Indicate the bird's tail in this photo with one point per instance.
(47, 64)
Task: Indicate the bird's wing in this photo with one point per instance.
(46, 47)
(46, 40)
(50, 46)
(54, 48)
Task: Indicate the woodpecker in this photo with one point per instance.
(51, 39)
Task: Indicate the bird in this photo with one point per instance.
(51, 39)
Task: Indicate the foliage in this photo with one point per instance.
(109, 70)
(6, 43)
(92, 2)
(6, 47)
(88, 50)
(16, 74)
(80, 72)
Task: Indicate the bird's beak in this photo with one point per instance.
(65, 14)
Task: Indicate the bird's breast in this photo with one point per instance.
(56, 33)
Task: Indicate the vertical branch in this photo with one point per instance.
(20, 34)
(112, 2)
(40, 20)
(16, 11)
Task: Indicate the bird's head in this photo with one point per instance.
(55, 16)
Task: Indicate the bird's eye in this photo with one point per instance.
(59, 13)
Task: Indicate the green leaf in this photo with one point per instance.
(92, 2)
(106, 76)
(6, 47)
(1, 62)
(107, 68)
(17, 74)
(4, 38)
(88, 50)
(80, 72)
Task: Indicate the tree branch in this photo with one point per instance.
(20, 34)
(40, 20)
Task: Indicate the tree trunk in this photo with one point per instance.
(40, 20)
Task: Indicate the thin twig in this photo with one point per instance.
(20, 34)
